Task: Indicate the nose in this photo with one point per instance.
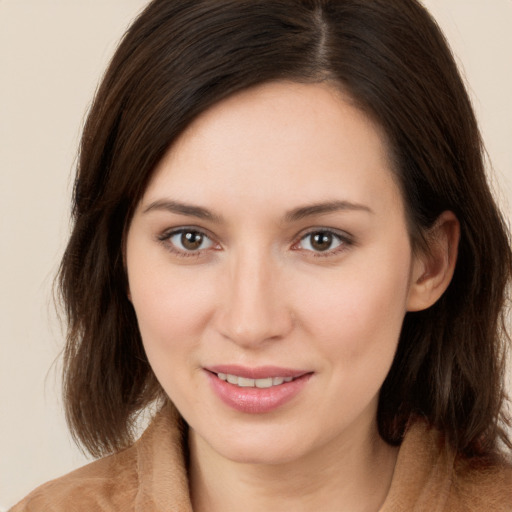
(253, 308)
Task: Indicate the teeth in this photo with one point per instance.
(264, 383)
(244, 382)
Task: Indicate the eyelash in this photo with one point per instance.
(165, 238)
(344, 239)
(345, 242)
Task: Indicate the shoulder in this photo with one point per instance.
(150, 475)
(429, 475)
(106, 484)
(481, 485)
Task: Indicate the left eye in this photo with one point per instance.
(320, 241)
(189, 240)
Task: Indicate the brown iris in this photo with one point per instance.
(321, 241)
(191, 240)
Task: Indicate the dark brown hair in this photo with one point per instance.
(182, 56)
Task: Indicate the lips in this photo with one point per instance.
(256, 390)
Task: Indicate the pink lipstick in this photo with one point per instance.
(256, 390)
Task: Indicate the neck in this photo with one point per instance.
(350, 476)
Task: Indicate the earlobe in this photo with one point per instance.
(433, 269)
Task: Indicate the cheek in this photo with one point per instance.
(170, 306)
(358, 312)
(171, 311)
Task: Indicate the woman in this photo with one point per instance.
(285, 241)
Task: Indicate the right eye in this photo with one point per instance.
(187, 242)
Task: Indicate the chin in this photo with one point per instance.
(257, 448)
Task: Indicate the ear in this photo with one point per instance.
(433, 268)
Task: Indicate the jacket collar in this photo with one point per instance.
(422, 473)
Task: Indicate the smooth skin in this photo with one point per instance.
(273, 232)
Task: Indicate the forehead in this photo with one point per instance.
(282, 141)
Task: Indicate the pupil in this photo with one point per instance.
(321, 241)
(191, 240)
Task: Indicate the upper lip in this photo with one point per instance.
(259, 372)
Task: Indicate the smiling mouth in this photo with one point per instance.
(256, 390)
(244, 382)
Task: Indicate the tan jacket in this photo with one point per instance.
(151, 476)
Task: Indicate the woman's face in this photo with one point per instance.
(270, 269)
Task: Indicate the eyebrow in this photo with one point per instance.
(184, 209)
(294, 215)
(324, 208)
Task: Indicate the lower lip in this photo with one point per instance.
(257, 400)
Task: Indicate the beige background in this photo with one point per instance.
(52, 53)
